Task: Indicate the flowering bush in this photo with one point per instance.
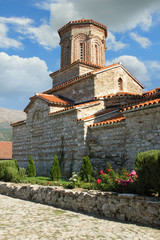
(74, 179)
(120, 181)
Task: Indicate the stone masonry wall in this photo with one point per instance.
(70, 72)
(128, 207)
(107, 82)
(119, 143)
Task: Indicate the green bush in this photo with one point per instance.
(55, 173)
(148, 171)
(7, 163)
(11, 174)
(31, 171)
(14, 175)
(86, 170)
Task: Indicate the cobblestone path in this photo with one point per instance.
(26, 220)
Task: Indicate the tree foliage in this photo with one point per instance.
(31, 171)
(55, 169)
(86, 170)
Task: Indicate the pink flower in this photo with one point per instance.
(133, 173)
(101, 172)
(98, 181)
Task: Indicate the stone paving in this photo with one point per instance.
(24, 220)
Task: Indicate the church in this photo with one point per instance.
(91, 109)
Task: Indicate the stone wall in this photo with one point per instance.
(70, 72)
(119, 143)
(123, 207)
(107, 82)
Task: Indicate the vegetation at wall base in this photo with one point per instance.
(147, 167)
(4, 164)
(86, 170)
(10, 172)
(55, 173)
(144, 181)
(31, 171)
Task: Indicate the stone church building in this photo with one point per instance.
(91, 109)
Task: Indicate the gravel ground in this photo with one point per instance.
(24, 220)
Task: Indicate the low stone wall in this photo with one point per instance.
(128, 207)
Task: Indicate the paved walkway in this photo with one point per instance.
(24, 220)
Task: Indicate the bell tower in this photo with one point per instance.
(83, 40)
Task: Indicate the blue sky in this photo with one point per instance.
(29, 42)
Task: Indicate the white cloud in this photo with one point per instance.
(136, 67)
(114, 45)
(16, 20)
(143, 41)
(154, 65)
(5, 41)
(22, 76)
(117, 15)
(45, 35)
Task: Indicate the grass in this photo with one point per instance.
(44, 181)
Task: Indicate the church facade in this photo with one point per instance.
(91, 109)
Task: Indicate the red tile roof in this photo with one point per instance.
(71, 64)
(5, 150)
(142, 104)
(151, 92)
(83, 20)
(18, 123)
(51, 99)
(118, 94)
(97, 114)
(75, 107)
(65, 84)
(116, 119)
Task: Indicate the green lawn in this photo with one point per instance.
(44, 181)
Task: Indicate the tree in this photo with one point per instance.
(31, 171)
(55, 169)
(86, 170)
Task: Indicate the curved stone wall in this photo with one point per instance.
(127, 207)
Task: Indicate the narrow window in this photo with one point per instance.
(81, 51)
(96, 54)
(120, 84)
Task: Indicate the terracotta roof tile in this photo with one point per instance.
(116, 119)
(142, 104)
(97, 114)
(118, 94)
(5, 150)
(18, 123)
(83, 20)
(75, 107)
(51, 99)
(151, 92)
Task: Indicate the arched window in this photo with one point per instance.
(120, 84)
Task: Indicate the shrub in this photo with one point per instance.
(11, 174)
(117, 181)
(148, 171)
(55, 169)
(74, 179)
(86, 170)
(4, 164)
(31, 171)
